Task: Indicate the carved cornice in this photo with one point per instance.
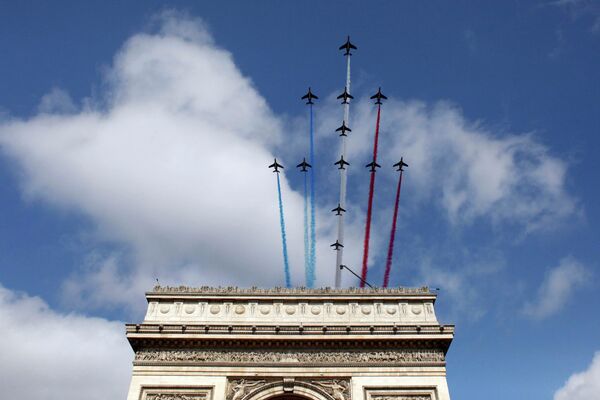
(321, 330)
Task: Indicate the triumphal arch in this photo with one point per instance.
(293, 344)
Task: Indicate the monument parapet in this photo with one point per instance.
(249, 344)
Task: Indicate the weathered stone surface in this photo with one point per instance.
(318, 344)
(302, 356)
(291, 306)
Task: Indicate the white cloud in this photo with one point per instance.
(56, 101)
(49, 355)
(557, 288)
(580, 9)
(471, 172)
(582, 385)
(171, 164)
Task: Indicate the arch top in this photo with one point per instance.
(292, 389)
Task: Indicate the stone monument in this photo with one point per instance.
(312, 344)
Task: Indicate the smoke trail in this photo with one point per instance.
(306, 240)
(286, 265)
(370, 205)
(310, 274)
(343, 180)
(388, 263)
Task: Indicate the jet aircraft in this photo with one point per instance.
(400, 164)
(309, 96)
(338, 210)
(303, 165)
(347, 46)
(276, 166)
(379, 96)
(373, 165)
(336, 246)
(345, 95)
(343, 129)
(341, 163)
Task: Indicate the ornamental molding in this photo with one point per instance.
(175, 396)
(176, 393)
(403, 397)
(401, 393)
(325, 389)
(329, 357)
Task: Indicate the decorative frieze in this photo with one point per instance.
(170, 393)
(266, 356)
(175, 396)
(403, 397)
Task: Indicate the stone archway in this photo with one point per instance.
(292, 389)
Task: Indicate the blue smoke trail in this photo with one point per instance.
(286, 264)
(313, 258)
(306, 240)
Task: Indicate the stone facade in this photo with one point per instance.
(318, 344)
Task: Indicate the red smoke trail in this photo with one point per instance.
(388, 264)
(370, 206)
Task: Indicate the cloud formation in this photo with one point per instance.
(556, 289)
(170, 164)
(470, 172)
(582, 385)
(49, 355)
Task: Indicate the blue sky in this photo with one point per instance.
(134, 139)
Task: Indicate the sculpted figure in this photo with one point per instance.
(241, 387)
(336, 388)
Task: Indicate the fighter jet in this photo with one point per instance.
(309, 96)
(373, 165)
(343, 129)
(336, 246)
(345, 96)
(347, 46)
(276, 166)
(338, 210)
(341, 163)
(303, 165)
(400, 164)
(378, 96)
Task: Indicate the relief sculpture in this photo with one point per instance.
(314, 357)
(238, 388)
(338, 389)
(175, 396)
